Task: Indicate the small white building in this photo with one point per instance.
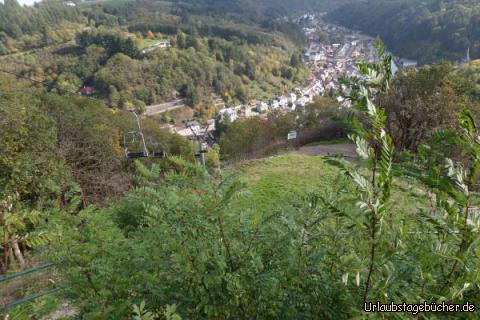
(283, 101)
(261, 107)
(302, 102)
(228, 112)
(161, 44)
(274, 104)
(292, 97)
(193, 125)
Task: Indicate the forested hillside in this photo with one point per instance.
(69, 140)
(26, 28)
(424, 30)
(112, 51)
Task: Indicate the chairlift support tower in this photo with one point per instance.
(202, 145)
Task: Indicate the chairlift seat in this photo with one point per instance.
(158, 154)
(136, 155)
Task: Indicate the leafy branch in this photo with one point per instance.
(374, 147)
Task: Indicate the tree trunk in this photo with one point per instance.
(16, 250)
(4, 266)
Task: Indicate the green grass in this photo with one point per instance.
(284, 179)
(147, 43)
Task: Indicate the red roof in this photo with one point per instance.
(87, 90)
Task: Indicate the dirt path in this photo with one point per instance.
(345, 149)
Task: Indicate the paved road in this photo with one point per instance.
(345, 149)
(164, 107)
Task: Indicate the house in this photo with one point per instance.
(274, 104)
(301, 102)
(228, 112)
(299, 107)
(283, 101)
(292, 97)
(87, 90)
(261, 107)
(249, 112)
(193, 125)
(165, 43)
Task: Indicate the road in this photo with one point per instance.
(164, 107)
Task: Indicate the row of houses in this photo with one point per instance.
(294, 101)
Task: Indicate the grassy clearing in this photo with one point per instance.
(281, 180)
(146, 43)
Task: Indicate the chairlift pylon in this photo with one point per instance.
(202, 139)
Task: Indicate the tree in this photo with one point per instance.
(295, 60)
(68, 82)
(114, 96)
(113, 42)
(421, 103)
(192, 95)
(181, 40)
(30, 176)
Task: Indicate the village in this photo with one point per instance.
(328, 62)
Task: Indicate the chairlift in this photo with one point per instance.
(158, 150)
(134, 143)
(131, 142)
(159, 154)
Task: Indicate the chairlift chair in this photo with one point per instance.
(134, 143)
(159, 154)
(158, 150)
(131, 142)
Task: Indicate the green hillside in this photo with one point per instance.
(424, 30)
(282, 180)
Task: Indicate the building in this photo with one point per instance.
(292, 97)
(87, 90)
(193, 125)
(160, 44)
(283, 101)
(231, 113)
(261, 107)
(274, 104)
